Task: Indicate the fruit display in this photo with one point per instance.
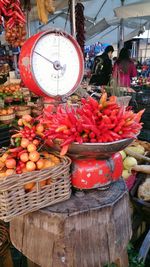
(7, 115)
(92, 122)
(9, 89)
(7, 111)
(26, 154)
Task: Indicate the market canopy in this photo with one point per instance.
(102, 18)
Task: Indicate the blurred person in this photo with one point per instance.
(102, 68)
(124, 69)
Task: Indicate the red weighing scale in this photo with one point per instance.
(51, 64)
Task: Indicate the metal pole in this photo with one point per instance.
(121, 33)
(73, 18)
(28, 24)
(146, 44)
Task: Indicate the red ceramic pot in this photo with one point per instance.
(93, 173)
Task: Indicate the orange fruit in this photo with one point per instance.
(10, 172)
(29, 186)
(34, 156)
(20, 122)
(40, 164)
(42, 183)
(48, 164)
(24, 157)
(36, 142)
(31, 147)
(27, 118)
(30, 166)
(24, 170)
(24, 142)
(39, 128)
(48, 181)
(10, 163)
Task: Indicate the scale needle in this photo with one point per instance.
(56, 64)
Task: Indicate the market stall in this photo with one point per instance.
(65, 153)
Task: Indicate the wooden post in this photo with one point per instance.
(90, 230)
(32, 264)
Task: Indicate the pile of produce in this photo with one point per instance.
(92, 122)
(14, 22)
(11, 92)
(9, 89)
(6, 111)
(26, 154)
(134, 158)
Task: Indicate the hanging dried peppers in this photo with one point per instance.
(80, 27)
(14, 21)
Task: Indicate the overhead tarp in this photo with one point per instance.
(98, 27)
(101, 23)
(133, 10)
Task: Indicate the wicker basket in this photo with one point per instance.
(15, 200)
(23, 110)
(7, 119)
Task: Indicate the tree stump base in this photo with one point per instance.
(88, 230)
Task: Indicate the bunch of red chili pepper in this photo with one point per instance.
(14, 19)
(92, 122)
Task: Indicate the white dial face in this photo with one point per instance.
(55, 64)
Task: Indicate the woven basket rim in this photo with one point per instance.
(14, 180)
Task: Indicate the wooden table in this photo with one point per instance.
(89, 230)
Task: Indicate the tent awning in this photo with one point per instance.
(133, 10)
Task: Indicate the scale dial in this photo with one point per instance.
(56, 63)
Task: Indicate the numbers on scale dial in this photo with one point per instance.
(57, 66)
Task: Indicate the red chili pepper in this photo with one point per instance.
(119, 126)
(103, 98)
(83, 101)
(22, 152)
(120, 113)
(10, 23)
(68, 141)
(113, 98)
(20, 17)
(10, 13)
(113, 134)
(129, 115)
(139, 115)
(61, 128)
(92, 135)
(93, 102)
(4, 11)
(106, 119)
(16, 135)
(72, 118)
(107, 112)
(16, 149)
(64, 150)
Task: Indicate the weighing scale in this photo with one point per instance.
(51, 64)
